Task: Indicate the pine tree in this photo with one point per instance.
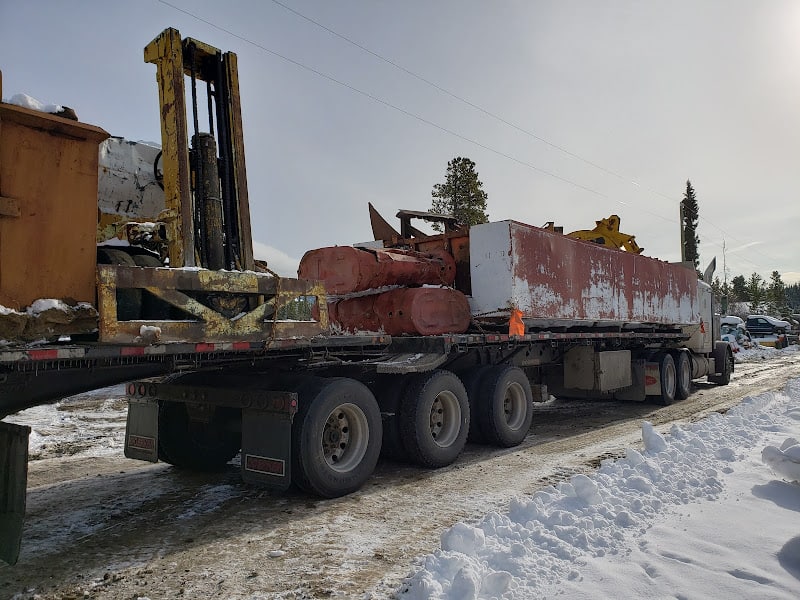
(793, 297)
(461, 195)
(739, 289)
(757, 290)
(776, 293)
(690, 213)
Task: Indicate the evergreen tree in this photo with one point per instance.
(690, 215)
(461, 195)
(723, 294)
(776, 294)
(793, 297)
(716, 288)
(757, 290)
(739, 289)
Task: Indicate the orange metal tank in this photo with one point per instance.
(345, 269)
(48, 207)
(414, 311)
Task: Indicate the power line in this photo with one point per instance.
(389, 104)
(445, 129)
(496, 116)
(455, 96)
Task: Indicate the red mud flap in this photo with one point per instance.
(267, 442)
(13, 484)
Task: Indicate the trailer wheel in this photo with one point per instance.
(505, 406)
(683, 371)
(668, 376)
(434, 418)
(336, 437)
(722, 356)
(129, 301)
(205, 445)
(472, 384)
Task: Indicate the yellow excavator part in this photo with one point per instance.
(607, 233)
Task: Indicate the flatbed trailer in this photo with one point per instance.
(214, 367)
(319, 411)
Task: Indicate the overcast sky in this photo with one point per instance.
(571, 110)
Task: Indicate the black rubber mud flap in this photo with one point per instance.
(141, 430)
(13, 487)
(267, 443)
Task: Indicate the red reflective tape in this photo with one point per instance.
(132, 351)
(43, 354)
(205, 347)
(241, 345)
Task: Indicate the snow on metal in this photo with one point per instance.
(555, 280)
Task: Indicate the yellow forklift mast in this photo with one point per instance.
(207, 210)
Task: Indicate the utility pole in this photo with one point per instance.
(683, 233)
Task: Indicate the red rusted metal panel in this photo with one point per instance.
(345, 269)
(558, 281)
(416, 311)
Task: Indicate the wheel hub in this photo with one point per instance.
(445, 420)
(336, 436)
(345, 437)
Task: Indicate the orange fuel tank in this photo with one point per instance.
(413, 311)
(345, 269)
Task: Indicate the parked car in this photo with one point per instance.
(766, 325)
(731, 320)
(736, 335)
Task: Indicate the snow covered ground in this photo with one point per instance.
(709, 510)
(705, 510)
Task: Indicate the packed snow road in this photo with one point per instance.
(101, 526)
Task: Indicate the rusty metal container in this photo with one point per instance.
(557, 281)
(345, 269)
(48, 207)
(414, 311)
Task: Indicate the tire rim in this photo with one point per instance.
(345, 438)
(668, 379)
(686, 374)
(445, 419)
(515, 406)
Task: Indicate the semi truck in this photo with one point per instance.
(408, 346)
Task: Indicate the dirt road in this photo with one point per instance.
(109, 528)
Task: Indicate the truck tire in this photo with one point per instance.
(683, 372)
(472, 384)
(505, 406)
(722, 356)
(434, 418)
(195, 445)
(336, 437)
(668, 376)
(129, 301)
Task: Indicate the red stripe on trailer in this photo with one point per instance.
(42, 354)
(241, 345)
(205, 347)
(132, 351)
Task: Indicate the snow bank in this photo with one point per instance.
(545, 539)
